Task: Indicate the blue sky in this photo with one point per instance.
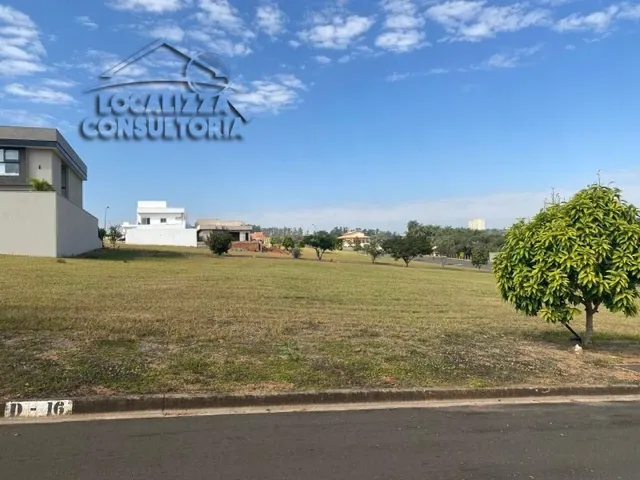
(363, 113)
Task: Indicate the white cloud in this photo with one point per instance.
(596, 21)
(294, 43)
(403, 26)
(86, 22)
(58, 83)
(220, 13)
(270, 19)
(499, 210)
(396, 77)
(268, 95)
(39, 94)
(321, 59)
(97, 62)
(345, 59)
(629, 11)
(172, 33)
(21, 49)
(511, 60)
(152, 6)
(337, 32)
(219, 43)
(26, 118)
(570, 46)
(473, 21)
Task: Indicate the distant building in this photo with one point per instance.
(350, 239)
(158, 224)
(239, 231)
(477, 224)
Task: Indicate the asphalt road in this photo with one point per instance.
(523, 442)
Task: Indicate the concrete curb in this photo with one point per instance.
(93, 405)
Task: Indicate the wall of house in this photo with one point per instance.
(170, 236)
(77, 230)
(28, 223)
(75, 187)
(40, 164)
(174, 220)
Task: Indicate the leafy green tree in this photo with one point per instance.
(408, 247)
(584, 252)
(219, 242)
(113, 235)
(102, 233)
(374, 249)
(276, 241)
(288, 243)
(479, 255)
(446, 248)
(321, 242)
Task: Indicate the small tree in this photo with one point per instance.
(102, 233)
(288, 243)
(374, 249)
(113, 235)
(408, 247)
(39, 185)
(321, 242)
(276, 241)
(219, 242)
(296, 252)
(585, 252)
(446, 248)
(479, 256)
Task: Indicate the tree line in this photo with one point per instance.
(448, 241)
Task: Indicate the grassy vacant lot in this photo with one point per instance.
(170, 320)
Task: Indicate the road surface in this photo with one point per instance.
(552, 442)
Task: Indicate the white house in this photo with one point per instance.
(43, 223)
(158, 224)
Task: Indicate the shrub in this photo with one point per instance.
(296, 252)
(39, 185)
(219, 242)
(102, 233)
(113, 235)
(479, 256)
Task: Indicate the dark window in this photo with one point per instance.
(163, 220)
(9, 163)
(63, 180)
(145, 221)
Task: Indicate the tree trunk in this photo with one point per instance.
(586, 340)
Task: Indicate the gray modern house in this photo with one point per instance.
(44, 224)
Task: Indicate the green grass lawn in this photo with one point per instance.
(179, 320)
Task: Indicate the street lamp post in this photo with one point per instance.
(105, 217)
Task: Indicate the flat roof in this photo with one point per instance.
(50, 138)
(214, 224)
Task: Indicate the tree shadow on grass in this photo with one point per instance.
(601, 341)
(131, 254)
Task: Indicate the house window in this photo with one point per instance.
(163, 220)
(63, 181)
(145, 221)
(9, 163)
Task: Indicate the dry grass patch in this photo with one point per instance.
(169, 320)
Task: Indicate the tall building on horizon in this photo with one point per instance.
(477, 224)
